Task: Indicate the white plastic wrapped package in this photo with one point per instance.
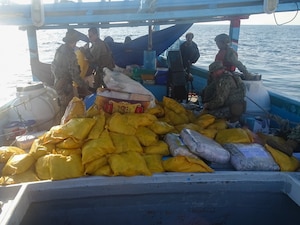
(204, 147)
(121, 82)
(251, 157)
(177, 147)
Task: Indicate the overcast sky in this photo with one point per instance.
(290, 18)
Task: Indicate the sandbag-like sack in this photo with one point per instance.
(185, 164)
(204, 147)
(285, 162)
(251, 157)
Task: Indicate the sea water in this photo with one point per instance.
(270, 50)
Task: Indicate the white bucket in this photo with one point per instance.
(36, 102)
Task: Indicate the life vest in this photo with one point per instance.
(221, 56)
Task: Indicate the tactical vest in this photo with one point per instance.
(221, 56)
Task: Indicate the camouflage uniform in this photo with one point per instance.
(229, 57)
(65, 69)
(99, 56)
(223, 94)
(295, 134)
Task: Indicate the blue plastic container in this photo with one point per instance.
(150, 60)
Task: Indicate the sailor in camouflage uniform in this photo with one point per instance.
(229, 57)
(98, 55)
(66, 70)
(224, 94)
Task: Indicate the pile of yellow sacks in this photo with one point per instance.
(94, 143)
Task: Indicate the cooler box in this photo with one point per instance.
(123, 102)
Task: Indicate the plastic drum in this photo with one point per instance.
(38, 103)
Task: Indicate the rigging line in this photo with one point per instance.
(290, 19)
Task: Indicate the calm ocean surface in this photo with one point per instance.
(270, 50)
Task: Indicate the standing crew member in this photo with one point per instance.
(66, 71)
(98, 55)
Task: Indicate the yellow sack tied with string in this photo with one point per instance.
(205, 120)
(70, 143)
(59, 167)
(104, 171)
(218, 124)
(234, 135)
(77, 128)
(119, 123)
(75, 109)
(27, 176)
(159, 148)
(175, 118)
(285, 162)
(125, 143)
(146, 136)
(67, 151)
(161, 127)
(154, 163)
(38, 149)
(99, 126)
(18, 164)
(185, 164)
(173, 105)
(7, 151)
(91, 167)
(128, 164)
(96, 148)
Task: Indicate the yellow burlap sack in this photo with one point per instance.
(125, 143)
(75, 109)
(157, 111)
(27, 176)
(185, 164)
(68, 151)
(119, 123)
(91, 167)
(146, 136)
(59, 167)
(98, 127)
(69, 143)
(47, 137)
(128, 164)
(175, 118)
(219, 124)
(285, 162)
(191, 126)
(154, 163)
(77, 128)
(38, 149)
(18, 164)
(208, 132)
(205, 120)
(173, 105)
(94, 110)
(7, 151)
(94, 149)
(160, 127)
(82, 62)
(140, 119)
(234, 135)
(103, 171)
(159, 148)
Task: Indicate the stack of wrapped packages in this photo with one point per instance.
(165, 138)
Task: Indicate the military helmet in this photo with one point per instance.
(222, 38)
